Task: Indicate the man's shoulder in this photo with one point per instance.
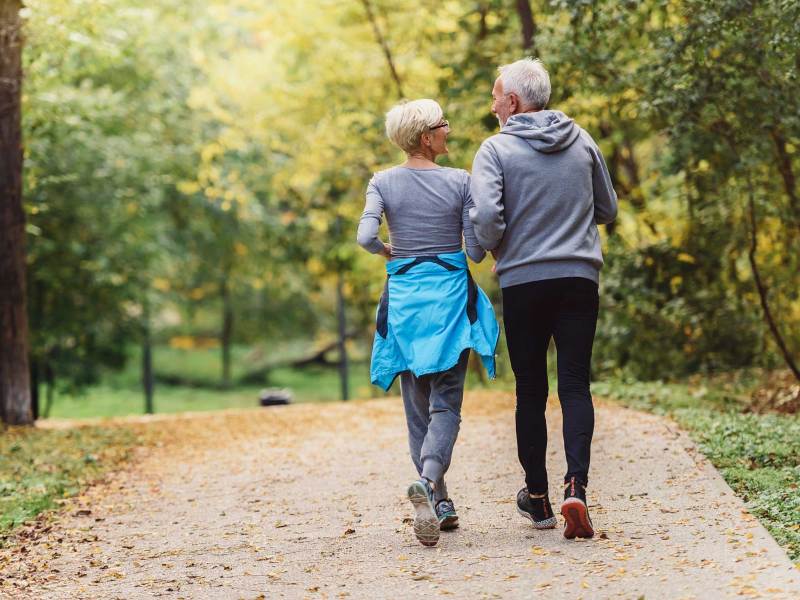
(492, 140)
(493, 143)
(586, 137)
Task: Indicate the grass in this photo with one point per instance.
(757, 454)
(40, 467)
(120, 393)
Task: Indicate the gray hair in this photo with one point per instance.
(407, 121)
(528, 79)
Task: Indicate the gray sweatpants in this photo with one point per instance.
(433, 414)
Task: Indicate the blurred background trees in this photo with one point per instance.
(194, 173)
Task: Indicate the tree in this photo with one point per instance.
(15, 395)
(726, 88)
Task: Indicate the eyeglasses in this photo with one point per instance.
(444, 123)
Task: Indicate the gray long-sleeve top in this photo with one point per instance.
(540, 188)
(427, 211)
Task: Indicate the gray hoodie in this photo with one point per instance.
(540, 189)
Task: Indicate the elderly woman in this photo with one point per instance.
(431, 312)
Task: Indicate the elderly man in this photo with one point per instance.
(540, 189)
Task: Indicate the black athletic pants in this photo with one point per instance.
(566, 310)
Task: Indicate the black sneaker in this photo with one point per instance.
(537, 509)
(446, 512)
(575, 511)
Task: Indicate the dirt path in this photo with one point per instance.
(307, 502)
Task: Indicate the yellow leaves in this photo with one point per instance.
(212, 192)
(188, 187)
(686, 258)
(240, 249)
(319, 221)
(188, 342)
(211, 151)
(161, 284)
(675, 283)
(315, 266)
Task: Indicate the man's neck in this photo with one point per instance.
(527, 110)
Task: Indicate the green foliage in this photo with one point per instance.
(664, 315)
(210, 159)
(188, 380)
(106, 131)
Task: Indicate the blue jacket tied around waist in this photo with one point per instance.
(430, 311)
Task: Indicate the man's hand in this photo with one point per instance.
(386, 252)
(494, 266)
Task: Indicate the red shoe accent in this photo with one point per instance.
(577, 521)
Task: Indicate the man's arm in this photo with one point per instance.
(605, 198)
(473, 248)
(486, 189)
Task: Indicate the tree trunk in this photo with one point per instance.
(147, 361)
(528, 26)
(787, 174)
(34, 364)
(15, 393)
(343, 367)
(762, 290)
(384, 46)
(50, 382)
(227, 332)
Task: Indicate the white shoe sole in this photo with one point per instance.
(426, 524)
(546, 524)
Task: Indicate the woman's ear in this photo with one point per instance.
(426, 139)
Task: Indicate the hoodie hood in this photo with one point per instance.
(545, 131)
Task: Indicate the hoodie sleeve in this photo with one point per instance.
(487, 195)
(474, 250)
(605, 198)
(371, 220)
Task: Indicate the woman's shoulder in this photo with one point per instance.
(387, 173)
(458, 173)
(401, 173)
(460, 177)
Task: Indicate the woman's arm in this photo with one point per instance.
(473, 248)
(371, 220)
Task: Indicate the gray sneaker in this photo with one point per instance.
(426, 523)
(446, 512)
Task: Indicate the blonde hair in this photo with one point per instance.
(407, 121)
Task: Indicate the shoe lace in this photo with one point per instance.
(444, 506)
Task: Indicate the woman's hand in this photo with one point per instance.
(386, 252)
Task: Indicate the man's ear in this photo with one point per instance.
(426, 139)
(513, 103)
